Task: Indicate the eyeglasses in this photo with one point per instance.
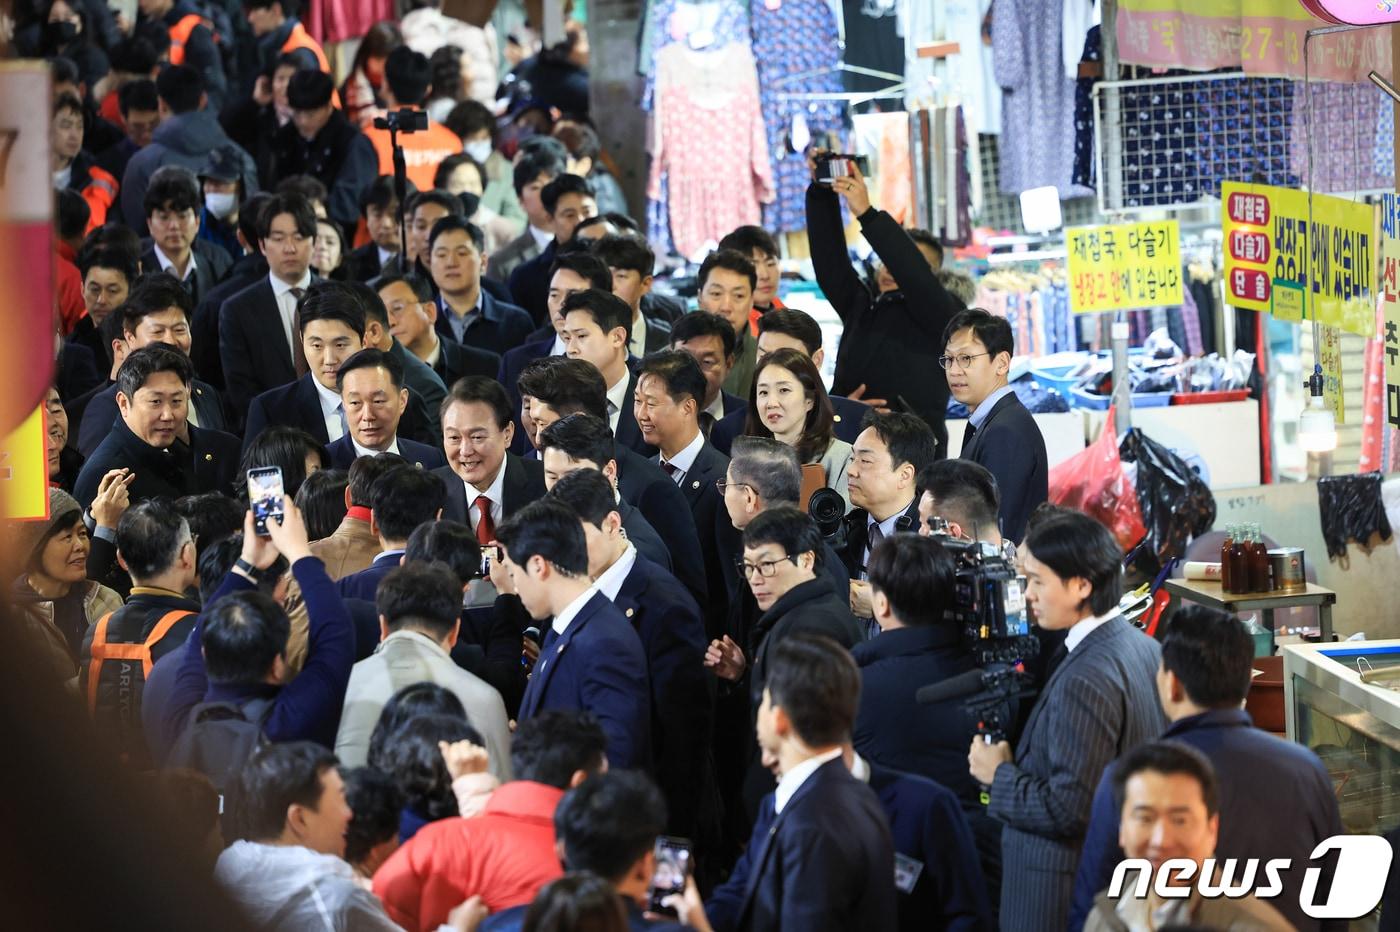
(766, 569)
(722, 484)
(962, 359)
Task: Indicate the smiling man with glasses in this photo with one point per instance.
(1001, 434)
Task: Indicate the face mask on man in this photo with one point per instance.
(480, 150)
(60, 33)
(221, 203)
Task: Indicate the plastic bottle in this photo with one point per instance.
(1239, 563)
(1259, 576)
(1226, 580)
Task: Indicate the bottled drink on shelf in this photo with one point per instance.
(1259, 576)
(1226, 579)
(1239, 563)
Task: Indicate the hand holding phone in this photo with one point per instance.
(265, 494)
(672, 871)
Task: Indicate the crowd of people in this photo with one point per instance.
(558, 566)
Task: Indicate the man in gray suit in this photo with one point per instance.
(1099, 701)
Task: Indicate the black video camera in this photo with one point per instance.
(827, 510)
(406, 120)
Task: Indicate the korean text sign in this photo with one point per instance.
(1390, 304)
(1124, 266)
(1272, 251)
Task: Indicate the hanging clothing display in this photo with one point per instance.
(873, 41)
(1342, 125)
(969, 75)
(1037, 140)
(1085, 165)
(795, 45)
(886, 137)
(942, 176)
(1036, 304)
(709, 139)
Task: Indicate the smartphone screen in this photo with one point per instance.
(672, 869)
(265, 493)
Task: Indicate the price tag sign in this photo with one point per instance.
(1124, 266)
(24, 470)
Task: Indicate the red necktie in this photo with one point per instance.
(670, 469)
(485, 527)
(298, 354)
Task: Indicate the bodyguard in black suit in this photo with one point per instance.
(1001, 434)
(597, 324)
(467, 312)
(146, 439)
(476, 432)
(568, 199)
(211, 264)
(204, 326)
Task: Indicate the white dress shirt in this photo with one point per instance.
(558, 348)
(792, 780)
(1076, 635)
(167, 266)
(638, 341)
(542, 238)
(494, 492)
(685, 459)
(287, 304)
(610, 581)
(331, 408)
(385, 256)
(715, 409)
(393, 447)
(617, 397)
(562, 620)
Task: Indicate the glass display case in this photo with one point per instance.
(1343, 702)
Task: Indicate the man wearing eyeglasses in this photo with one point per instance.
(1001, 434)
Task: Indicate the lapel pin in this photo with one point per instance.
(208, 457)
(629, 612)
(695, 484)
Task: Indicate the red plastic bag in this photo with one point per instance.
(1093, 482)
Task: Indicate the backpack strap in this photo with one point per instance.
(99, 654)
(103, 651)
(162, 628)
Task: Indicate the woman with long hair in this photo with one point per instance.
(788, 402)
(360, 92)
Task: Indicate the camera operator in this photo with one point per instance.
(891, 338)
(1098, 702)
(407, 78)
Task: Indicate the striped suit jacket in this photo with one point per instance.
(1098, 704)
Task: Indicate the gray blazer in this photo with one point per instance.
(515, 253)
(1098, 704)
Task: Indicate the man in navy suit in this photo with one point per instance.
(596, 328)
(257, 326)
(568, 199)
(408, 300)
(467, 313)
(591, 658)
(670, 387)
(667, 619)
(400, 500)
(247, 270)
(373, 397)
(486, 483)
(1001, 434)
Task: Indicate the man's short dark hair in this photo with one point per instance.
(153, 294)
(139, 95)
(769, 467)
(1168, 758)
(244, 632)
(298, 205)
(749, 239)
(409, 75)
(609, 822)
(698, 324)
(552, 746)
(371, 359)
(405, 498)
(370, 300)
(181, 87)
(533, 164)
(307, 186)
(817, 685)
(799, 325)
(456, 222)
(549, 529)
(331, 300)
(560, 186)
(141, 364)
(377, 803)
(444, 199)
(623, 222)
(963, 492)
(584, 264)
(907, 436)
(250, 218)
(321, 501)
(569, 386)
(588, 492)
(416, 283)
(380, 193)
(469, 117)
(730, 260)
(922, 237)
(1212, 653)
(479, 389)
(285, 447)
(365, 471)
(423, 596)
(608, 311)
(991, 331)
(173, 188)
(149, 537)
(1074, 545)
(218, 558)
(71, 214)
(917, 575)
(626, 251)
(106, 257)
(412, 753)
(212, 517)
(679, 372)
(276, 777)
(580, 437)
(789, 528)
(449, 544)
(310, 90)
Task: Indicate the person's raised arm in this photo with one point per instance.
(826, 240)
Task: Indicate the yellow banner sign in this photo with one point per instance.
(1390, 304)
(1124, 266)
(24, 470)
(1272, 246)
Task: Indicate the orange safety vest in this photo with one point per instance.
(421, 152)
(180, 34)
(102, 651)
(299, 38)
(100, 194)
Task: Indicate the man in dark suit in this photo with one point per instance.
(631, 261)
(153, 389)
(486, 483)
(670, 387)
(595, 329)
(467, 312)
(568, 199)
(591, 658)
(412, 318)
(1099, 701)
(418, 377)
(172, 207)
(1001, 434)
(257, 326)
(667, 619)
(533, 170)
(821, 855)
(1207, 664)
(247, 270)
(710, 339)
(373, 397)
(400, 500)
(156, 312)
(379, 207)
